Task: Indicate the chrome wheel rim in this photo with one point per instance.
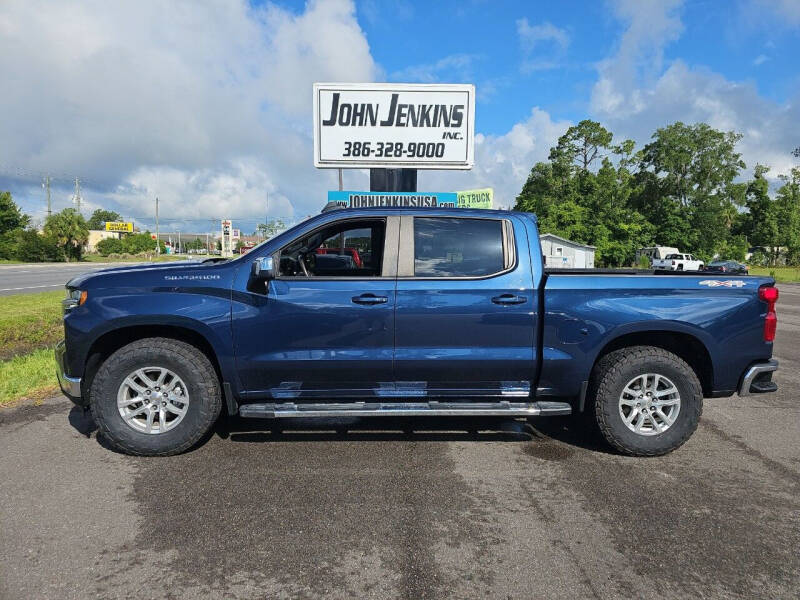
(649, 404)
(152, 400)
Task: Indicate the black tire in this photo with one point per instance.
(189, 363)
(610, 376)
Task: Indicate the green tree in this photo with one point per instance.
(11, 216)
(110, 245)
(141, 243)
(787, 209)
(195, 244)
(686, 185)
(574, 201)
(764, 226)
(70, 232)
(269, 229)
(31, 246)
(100, 217)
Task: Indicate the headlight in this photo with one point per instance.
(75, 298)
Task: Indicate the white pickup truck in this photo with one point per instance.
(678, 262)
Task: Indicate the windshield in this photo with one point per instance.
(286, 232)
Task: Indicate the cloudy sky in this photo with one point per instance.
(207, 103)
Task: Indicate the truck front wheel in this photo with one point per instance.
(648, 401)
(155, 397)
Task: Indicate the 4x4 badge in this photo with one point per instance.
(727, 283)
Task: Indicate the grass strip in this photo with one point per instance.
(96, 258)
(29, 322)
(29, 377)
(781, 274)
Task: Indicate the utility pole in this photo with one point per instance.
(46, 186)
(179, 240)
(158, 245)
(207, 251)
(340, 180)
(77, 198)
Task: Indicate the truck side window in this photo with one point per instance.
(457, 247)
(348, 249)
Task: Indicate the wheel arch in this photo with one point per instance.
(686, 346)
(111, 341)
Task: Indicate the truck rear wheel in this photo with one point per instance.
(648, 401)
(155, 397)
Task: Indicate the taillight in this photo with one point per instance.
(769, 294)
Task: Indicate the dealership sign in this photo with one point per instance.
(119, 227)
(380, 125)
(347, 199)
(482, 198)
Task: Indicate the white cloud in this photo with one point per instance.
(760, 60)
(502, 162)
(532, 35)
(120, 93)
(788, 10)
(639, 57)
(636, 93)
(454, 65)
(543, 45)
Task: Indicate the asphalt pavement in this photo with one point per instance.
(508, 512)
(41, 277)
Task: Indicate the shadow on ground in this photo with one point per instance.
(577, 432)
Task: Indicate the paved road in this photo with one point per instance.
(540, 513)
(41, 277)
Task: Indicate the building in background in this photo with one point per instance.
(95, 235)
(560, 253)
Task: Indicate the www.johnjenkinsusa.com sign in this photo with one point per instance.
(374, 125)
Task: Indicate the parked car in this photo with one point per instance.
(679, 262)
(655, 252)
(453, 314)
(727, 266)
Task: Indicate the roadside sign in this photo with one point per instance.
(482, 198)
(348, 199)
(227, 242)
(394, 125)
(119, 227)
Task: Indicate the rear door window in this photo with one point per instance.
(456, 247)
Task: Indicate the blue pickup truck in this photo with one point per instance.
(410, 312)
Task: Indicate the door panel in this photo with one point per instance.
(311, 339)
(323, 336)
(466, 336)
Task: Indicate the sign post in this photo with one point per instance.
(227, 234)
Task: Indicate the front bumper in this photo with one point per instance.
(71, 386)
(758, 378)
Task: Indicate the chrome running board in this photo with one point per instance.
(406, 409)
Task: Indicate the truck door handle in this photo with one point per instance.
(509, 299)
(369, 299)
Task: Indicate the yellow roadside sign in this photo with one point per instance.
(482, 198)
(119, 227)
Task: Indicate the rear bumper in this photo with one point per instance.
(758, 378)
(71, 386)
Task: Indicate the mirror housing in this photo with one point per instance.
(262, 268)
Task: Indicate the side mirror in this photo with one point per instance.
(262, 268)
